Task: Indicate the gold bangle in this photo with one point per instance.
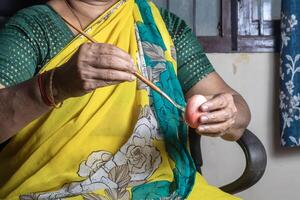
(51, 91)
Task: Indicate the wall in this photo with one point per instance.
(255, 77)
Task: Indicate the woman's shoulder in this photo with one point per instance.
(30, 16)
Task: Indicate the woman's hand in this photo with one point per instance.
(228, 113)
(93, 66)
(218, 115)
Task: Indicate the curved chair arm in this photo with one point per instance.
(2, 21)
(195, 148)
(256, 161)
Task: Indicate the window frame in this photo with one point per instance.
(223, 42)
(230, 41)
(261, 42)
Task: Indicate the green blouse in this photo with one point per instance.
(36, 34)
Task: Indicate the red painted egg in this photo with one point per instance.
(193, 113)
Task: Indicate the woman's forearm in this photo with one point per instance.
(19, 105)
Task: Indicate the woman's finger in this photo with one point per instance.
(91, 85)
(111, 62)
(109, 49)
(217, 116)
(217, 102)
(217, 129)
(108, 75)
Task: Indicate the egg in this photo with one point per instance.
(193, 113)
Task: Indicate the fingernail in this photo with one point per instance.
(134, 69)
(132, 77)
(204, 108)
(201, 128)
(204, 119)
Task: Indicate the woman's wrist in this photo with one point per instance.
(59, 94)
(48, 90)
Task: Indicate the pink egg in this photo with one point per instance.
(193, 113)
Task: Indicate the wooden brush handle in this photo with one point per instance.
(146, 81)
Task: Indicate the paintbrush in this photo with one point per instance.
(139, 76)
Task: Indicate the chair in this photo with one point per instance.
(256, 159)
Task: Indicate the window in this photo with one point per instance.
(258, 25)
(231, 25)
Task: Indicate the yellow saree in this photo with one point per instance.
(117, 142)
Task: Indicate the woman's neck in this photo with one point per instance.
(90, 8)
(85, 10)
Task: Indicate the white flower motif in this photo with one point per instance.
(285, 39)
(290, 87)
(148, 124)
(95, 161)
(282, 97)
(283, 142)
(287, 26)
(143, 159)
(293, 21)
(294, 140)
(295, 101)
(287, 119)
(281, 71)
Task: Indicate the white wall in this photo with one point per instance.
(255, 77)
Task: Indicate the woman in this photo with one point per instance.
(81, 126)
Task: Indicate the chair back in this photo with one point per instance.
(9, 7)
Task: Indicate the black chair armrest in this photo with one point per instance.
(256, 161)
(2, 21)
(195, 148)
